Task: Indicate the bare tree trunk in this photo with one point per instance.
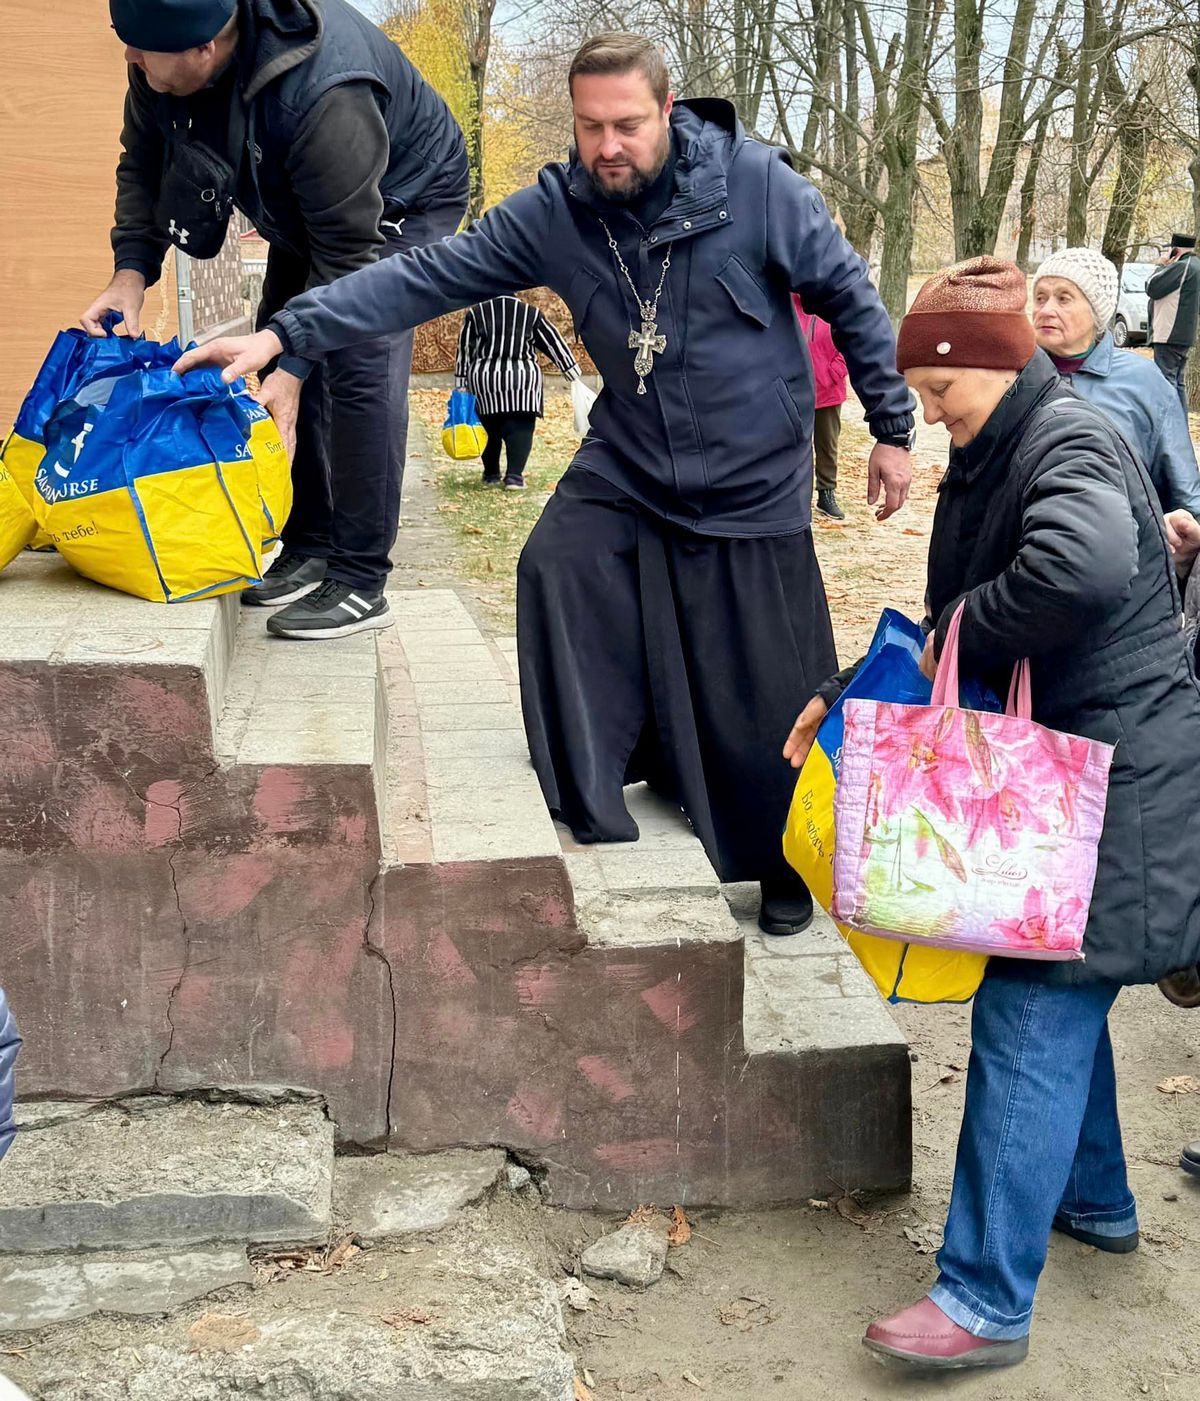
(1081, 127)
(1029, 192)
(826, 18)
(900, 158)
(478, 26)
(961, 145)
(1133, 143)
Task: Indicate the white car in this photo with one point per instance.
(1130, 323)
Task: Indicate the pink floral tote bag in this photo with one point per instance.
(967, 830)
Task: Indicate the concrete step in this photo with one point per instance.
(350, 885)
(37, 1291)
(443, 1324)
(162, 1173)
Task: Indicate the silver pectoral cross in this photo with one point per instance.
(648, 343)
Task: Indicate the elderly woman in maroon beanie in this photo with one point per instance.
(1048, 531)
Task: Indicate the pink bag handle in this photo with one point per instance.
(945, 685)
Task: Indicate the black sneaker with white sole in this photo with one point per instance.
(333, 610)
(289, 579)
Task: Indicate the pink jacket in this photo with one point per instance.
(828, 367)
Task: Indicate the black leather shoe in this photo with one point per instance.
(1112, 1245)
(1189, 1159)
(786, 908)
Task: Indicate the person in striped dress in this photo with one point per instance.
(497, 361)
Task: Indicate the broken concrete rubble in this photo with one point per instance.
(38, 1290)
(633, 1255)
(155, 1172)
(392, 1195)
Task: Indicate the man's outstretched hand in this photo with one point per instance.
(237, 355)
(890, 471)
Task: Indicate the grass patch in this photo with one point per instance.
(490, 525)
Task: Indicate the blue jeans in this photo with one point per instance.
(10, 1044)
(1040, 1136)
(1172, 363)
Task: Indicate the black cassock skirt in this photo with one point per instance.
(651, 653)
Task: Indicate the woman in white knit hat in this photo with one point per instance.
(1074, 299)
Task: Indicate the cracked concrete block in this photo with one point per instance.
(38, 1290)
(514, 802)
(457, 670)
(627, 922)
(311, 732)
(329, 689)
(633, 1255)
(155, 1171)
(485, 1329)
(490, 692)
(480, 744)
(436, 718)
(392, 1195)
(498, 841)
(32, 644)
(470, 771)
(424, 650)
(636, 869)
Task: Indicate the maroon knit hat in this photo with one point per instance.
(971, 315)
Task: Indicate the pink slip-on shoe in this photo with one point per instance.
(923, 1338)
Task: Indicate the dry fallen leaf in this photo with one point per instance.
(818, 1204)
(926, 1240)
(1180, 1085)
(581, 1391)
(472, 530)
(402, 1317)
(850, 1210)
(641, 1216)
(681, 1228)
(338, 1255)
(693, 1380)
(221, 1332)
(747, 1312)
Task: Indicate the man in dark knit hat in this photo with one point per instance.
(307, 118)
(1174, 293)
(669, 601)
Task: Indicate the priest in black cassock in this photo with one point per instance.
(671, 618)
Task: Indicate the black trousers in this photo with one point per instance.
(649, 653)
(352, 431)
(514, 433)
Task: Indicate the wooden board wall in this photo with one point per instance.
(60, 125)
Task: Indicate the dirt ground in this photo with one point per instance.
(773, 1304)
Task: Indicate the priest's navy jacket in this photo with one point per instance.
(721, 442)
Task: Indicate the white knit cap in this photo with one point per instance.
(1092, 273)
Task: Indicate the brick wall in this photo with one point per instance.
(217, 284)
